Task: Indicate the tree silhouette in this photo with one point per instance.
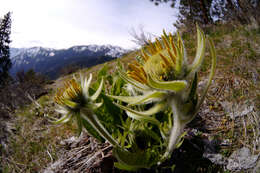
(5, 62)
(194, 10)
(204, 11)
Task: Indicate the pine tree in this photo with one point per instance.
(191, 10)
(5, 62)
(204, 11)
(196, 11)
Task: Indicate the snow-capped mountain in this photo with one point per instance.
(49, 61)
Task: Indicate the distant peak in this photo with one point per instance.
(108, 50)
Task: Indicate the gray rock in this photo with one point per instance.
(69, 141)
(257, 168)
(247, 110)
(217, 159)
(235, 111)
(241, 159)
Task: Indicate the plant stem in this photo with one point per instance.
(174, 136)
(95, 123)
(176, 131)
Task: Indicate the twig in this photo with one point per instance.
(254, 124)
(34, 101)
(50, 156)
(245, 131)
(108, 147)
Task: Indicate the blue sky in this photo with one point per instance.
(65, 23)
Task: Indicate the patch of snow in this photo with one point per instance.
(83, 48)
(79, 48)
(115, 51)
(93, 48)
(51, 54)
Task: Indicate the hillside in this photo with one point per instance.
(223, 137)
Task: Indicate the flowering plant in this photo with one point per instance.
(74, 100)
(159, 98)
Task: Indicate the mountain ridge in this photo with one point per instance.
(49, 61)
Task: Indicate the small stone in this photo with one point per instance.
(225, 142)
(68, 141)
(202, 84)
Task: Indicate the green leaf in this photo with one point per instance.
(187, 109)
(61, 110)
(173, 167)
(70, 104)
(79, 122)
(193, 90)
(152, 96)
(91, 130)
(181, 139)
(134, 160)
(97, 93)
(180, 55)
(200, 52)
(125, 167)
(212, 72)
(93, 120)
(155, 109)
(127, 99)
(103, 72)
(175, 86)
(144, 116)
(109, 114)
(117, 87)
(98, 105)
(153, 135)
(134, 100)
(63, 119)
(86, 85)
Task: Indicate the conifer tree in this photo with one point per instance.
(5, 62)
(204, 11)
(192, 10)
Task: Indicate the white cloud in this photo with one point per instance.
(64, 23)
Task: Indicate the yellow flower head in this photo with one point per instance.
(162, 60)
(74, 97)
(74, 101)
(70, 94)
